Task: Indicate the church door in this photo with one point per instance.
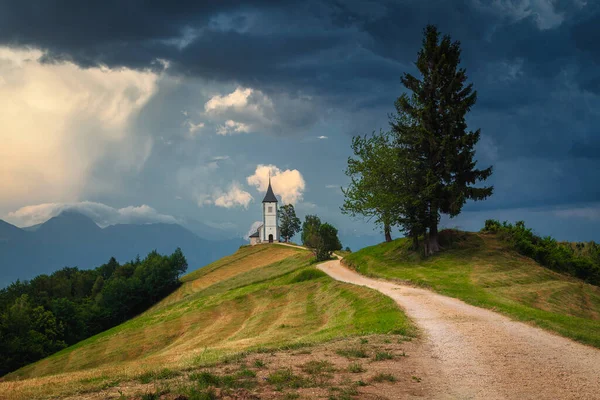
(271, 238)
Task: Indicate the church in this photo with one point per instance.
(268, 232)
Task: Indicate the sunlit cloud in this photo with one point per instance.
(288, 184)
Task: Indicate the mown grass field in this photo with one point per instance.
(481, 270)
(263, 296)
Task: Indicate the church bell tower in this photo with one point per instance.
(270, 229)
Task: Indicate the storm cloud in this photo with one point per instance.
(258, 83)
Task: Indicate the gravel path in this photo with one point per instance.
(474, 353)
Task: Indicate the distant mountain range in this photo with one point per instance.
(72, 239)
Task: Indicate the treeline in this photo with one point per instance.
(581, 260)
(51, 312)
(425, 165)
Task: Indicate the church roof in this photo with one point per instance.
(270, 196)
(255, 234)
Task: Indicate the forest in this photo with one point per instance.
(50, 312)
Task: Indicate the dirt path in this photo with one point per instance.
(479, 354)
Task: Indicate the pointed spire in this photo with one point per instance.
(270, 196)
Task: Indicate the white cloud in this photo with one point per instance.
(231, 127)
(235, 196)
(100, 213)
(236, 100)
(288, 184)
(253, 228)
(250, 110)
(322, 137)
(59, 121)
(193, 128)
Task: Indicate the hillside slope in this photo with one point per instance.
(481, 270)
(262, 296)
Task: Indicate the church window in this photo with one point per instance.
(270, 209)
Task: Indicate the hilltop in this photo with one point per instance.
(483, 270)
(259, 298)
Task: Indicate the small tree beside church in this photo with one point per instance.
(321, 238)
(289, 223)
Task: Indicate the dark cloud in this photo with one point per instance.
(536, 73)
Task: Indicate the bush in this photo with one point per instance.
(577, 259)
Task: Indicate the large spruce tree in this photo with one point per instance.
(432, 137)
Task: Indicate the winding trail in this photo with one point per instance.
(474, 353)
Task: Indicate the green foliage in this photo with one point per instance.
(321, 238)
(560, 257)
(431, 132)
(44, 315)
(310, 230)
(373, 190)
(289, 223)
(27, 333)
(425, 166)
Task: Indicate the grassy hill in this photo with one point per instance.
(261, 297)
(481, 270)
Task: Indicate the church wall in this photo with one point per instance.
(270, 222)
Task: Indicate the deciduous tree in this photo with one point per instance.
(289, 223)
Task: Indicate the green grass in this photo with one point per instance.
(481, 270)
(383, 355)
(285, 378)
(356, 368)
(383, 377)
(353, 352)
(249, 305)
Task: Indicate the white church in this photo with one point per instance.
(268, 232)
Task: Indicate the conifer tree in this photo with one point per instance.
(431, 133)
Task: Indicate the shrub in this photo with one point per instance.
(579, 260)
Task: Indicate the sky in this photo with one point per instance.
(155, 111)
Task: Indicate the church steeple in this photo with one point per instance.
(270, 196)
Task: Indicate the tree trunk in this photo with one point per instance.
(415, 239)
(433, 245)
(388, 232)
